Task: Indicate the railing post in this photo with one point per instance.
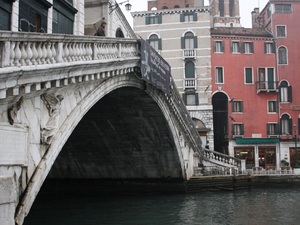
(5, 54)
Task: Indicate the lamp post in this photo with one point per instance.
(296, 150)
(112, 7)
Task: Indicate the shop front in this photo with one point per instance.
(258, 152)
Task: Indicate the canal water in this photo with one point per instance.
(251, 207)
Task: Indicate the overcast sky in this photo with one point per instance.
(246, 7)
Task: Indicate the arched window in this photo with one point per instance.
(189, 41)
(119, 33)
(155, 42)
(165, 7)
(176, 6)
(285, 92)
(285, 125)
(189, 70)
(187, 6)
(282, 56)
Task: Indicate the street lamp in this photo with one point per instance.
(112, 7)
(296, 150)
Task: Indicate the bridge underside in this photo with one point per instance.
(123, 136)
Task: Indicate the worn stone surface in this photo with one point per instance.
(127, 139)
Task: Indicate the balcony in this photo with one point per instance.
(189, 53)
(266, 86)
(189, 83)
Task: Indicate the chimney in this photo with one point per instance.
(255, 18)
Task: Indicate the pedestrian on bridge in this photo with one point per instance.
(101, 29)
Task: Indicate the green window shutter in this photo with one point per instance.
(290, 126)
(290, 97)
(268, 129)
(159, 19)
(298, 125)
(195, 16)
(277, 107)
(222, 46)
(242, 106)
(147, 20)
(184, 98)
(242, 48)
(271, 78)
(276, 129)
(195, 42)
(232, 129)
(215, 46)
(279, 93)
(273, 47)
(181, 17)
(265, 47)
(242, 129)
(197, 98)
(159, 44)
(231, 48)
(252, 47)
(281, 126)
(248, 75)
(182, 43)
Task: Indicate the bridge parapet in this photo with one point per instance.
(23, 52)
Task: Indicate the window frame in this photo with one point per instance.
(218, 46)
(272, 106)
(245, 76)
(250, 48)
(286, 124)
(286, 95)
(279, 32)
(238, 130)
(282, 55)
(155, 43)
(235, 47)
(237, 106)
(190, 92)
(217, 75)
(272, 129)
(271, 49)
(279, 8)
(153, 19)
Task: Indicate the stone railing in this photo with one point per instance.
(222, 158)
(21, 53)
(26, 49)
(185, 121)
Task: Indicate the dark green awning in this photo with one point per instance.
(255, 141)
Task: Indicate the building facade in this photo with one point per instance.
(180, 32)
(253, 74)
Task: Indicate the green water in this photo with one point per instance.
(255, 207)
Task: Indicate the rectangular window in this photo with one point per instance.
(235, 47)
(155, 19)
(219, 75)
(248, 47)
(266, 79)
(283, 8)
(190, 99)
(237, 129)
(281, 31)
(237, 106)
(284, 94)
(248, 76)
(272, 128)
(269, 48)
(188, 17)
(286, 126)
(219, 46)
(272, 106)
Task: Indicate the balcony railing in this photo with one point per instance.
(189, 53)
(189, 83)
(266, 86)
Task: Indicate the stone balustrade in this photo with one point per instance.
(22, 52)
(26, 49)
(222, 158)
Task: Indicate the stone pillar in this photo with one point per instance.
(237, 8)
(226, 8)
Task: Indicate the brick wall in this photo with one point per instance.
(159, 4)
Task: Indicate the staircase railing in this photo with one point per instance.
(222, 158)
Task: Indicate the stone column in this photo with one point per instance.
(237, 8)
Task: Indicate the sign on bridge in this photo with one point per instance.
(155, 70)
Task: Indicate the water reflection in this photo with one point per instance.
(256, 207)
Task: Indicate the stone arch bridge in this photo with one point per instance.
(76, 107)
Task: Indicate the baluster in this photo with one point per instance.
(17, 54)
(49, 53)
(40, 53)
(89, 51)
(44, 53)
(29, 53)
(80, 52)
(34, 54)
(71, 52)
(65, 53)
(23, 54)
(12, 53)
(53, 53)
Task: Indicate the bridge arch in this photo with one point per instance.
(79, 110)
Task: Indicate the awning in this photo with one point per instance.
(255, 141)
